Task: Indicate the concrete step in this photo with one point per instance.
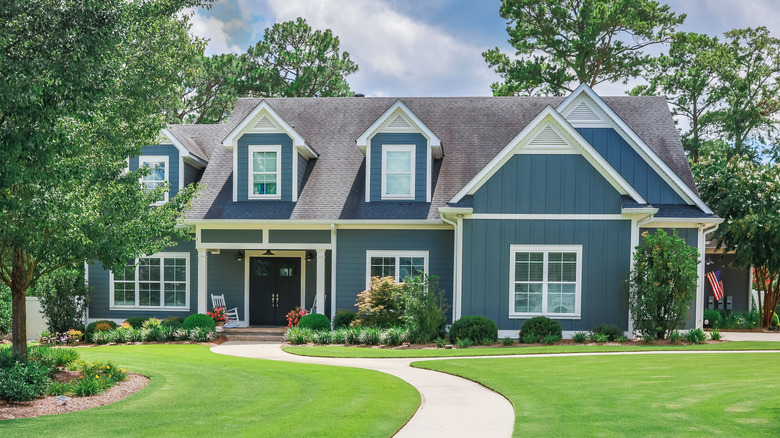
(254, 337)
(255, 334)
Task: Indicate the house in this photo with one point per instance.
(521, 206)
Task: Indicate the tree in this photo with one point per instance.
(687, 77)
(662, 284)
(749, 79)
(82, 85)
(563, 43)
(747, 195)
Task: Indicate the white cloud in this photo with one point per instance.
(216, 31)
(397, 54)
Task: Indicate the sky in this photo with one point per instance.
(430, 47)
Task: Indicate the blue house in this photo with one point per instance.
(521, 207)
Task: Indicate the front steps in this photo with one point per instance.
(255, 334)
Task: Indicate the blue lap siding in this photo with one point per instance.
(420, 160)
(242, 172)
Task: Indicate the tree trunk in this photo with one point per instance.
(20, 282)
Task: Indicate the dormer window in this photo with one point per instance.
(158, 175)
(398, 171)
(265, 172)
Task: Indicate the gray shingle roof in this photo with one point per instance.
(472, 131)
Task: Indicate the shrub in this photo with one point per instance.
(551, 339)
(203, 334)
(394, 336)
(150, 323)
(370, 336)
(715, 335)
(712, 318)
(172, 321)
(353, 335)
(621, 339)
(343, 318)
(440, 342)
(538, 327)
(662, 284)
(675, 337)
(382, 304)
(315, 321)
(580, 337)
(64, 297)
(65, 356)
(599, 338)
(197, 320)
(298, 335)
(322, 337)
(464, 343)
(57, 388)
(507, 341)
(339, 336)
(424, 308)
(775, 320)
(99, 326)
(612, 331)
(137, 321)
(24, 381)
(696, 336)
(477, 328)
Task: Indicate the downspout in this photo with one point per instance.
(455, 285)
(332, 271)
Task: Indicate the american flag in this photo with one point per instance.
(716, 283)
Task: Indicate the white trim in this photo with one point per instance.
(262, 108)
(262, 246)
(320, 289)
(639, 145)
(203, 272)
(364, 139)
(277, 254)
(184, 152)
(550, 117)
(412, 149)
(161, 256)
(429, 174)
(546, 249)
(299, 223)
(147, 159)
(368, 174)
(699, 304)
(397, 255)
(459, 261)
(251, 149)
(562, 217)
(333, 237)
(565, 334)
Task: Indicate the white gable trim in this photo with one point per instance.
(614, 121)
(389, 116)
(264, 110)
(549, 117)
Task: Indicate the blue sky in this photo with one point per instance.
(429, 47)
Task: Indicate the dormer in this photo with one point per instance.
(269, 157)
(400, 150)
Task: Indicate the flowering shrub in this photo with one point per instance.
(71, 337)
(294, 316)
(218, 314)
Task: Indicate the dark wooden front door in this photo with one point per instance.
(274, 289)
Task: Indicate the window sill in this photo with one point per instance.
(166, 308)
(548, 315)
(397, 198)
(258, 197)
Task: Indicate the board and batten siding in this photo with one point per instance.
(632, 167)
(547, 184)
(606, 249)
(226, 276)
(351, 257)
(99, 297)
(242, 160)
(420, 160)
(302, 163)
(173, 163)
(191, 174)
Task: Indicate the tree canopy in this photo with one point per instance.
(82, 87)
(562, 43)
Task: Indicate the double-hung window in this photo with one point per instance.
(158, 175)
(545, 280)
(396, 264)
(265, 177)
(398, 171)
(151, 282)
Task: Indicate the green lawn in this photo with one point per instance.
(331, 351)
(194, 392)
(649, 395)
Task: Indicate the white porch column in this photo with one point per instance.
(699, 306)
(202, 279)
(321, 281)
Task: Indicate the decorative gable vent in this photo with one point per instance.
(550, 139)
(399, 124)
(583, 113)
(265, 124)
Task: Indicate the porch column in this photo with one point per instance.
(202, 279)
(321, 281)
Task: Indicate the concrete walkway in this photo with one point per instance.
(751, 336)
(451, 406)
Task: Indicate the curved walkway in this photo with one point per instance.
(451, 406)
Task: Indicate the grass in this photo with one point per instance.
(194, 392)
(652, 395)
(333, 351)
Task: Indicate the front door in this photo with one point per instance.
(274, 289)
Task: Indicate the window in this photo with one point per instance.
(158, 176)
(398, 171)
(265, 172)
(545, 280)
(396, 264)
(157, 281)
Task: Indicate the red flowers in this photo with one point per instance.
(294, 316)
(218, 314)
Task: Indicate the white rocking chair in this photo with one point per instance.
(314, 304)
(231, 314)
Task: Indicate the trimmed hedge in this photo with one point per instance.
(315, 321)
(713, 318)
(537, 328)
(612, 332)
(198, 320)
(343, 318)
(476, 328)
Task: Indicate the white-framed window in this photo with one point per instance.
(545, 280)
(396, 264)
(158, 281)
(398, 171)
(265, 172)
(159, 174)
